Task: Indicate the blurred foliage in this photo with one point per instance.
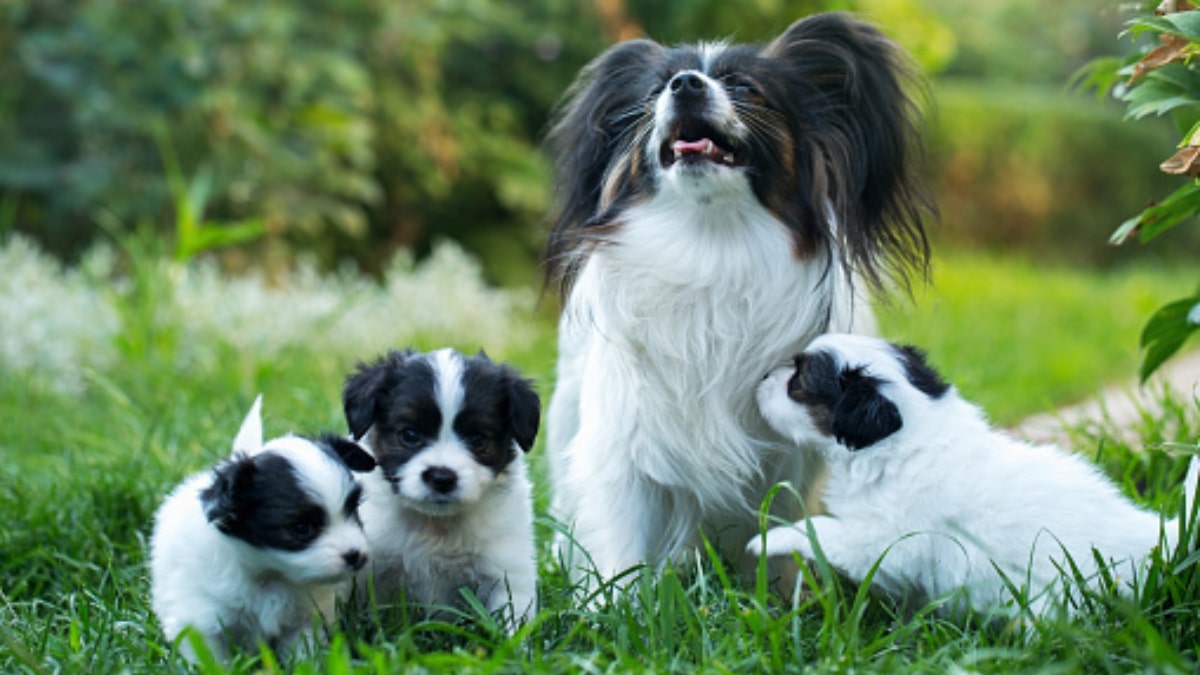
(1162, 79)
(351, 128)
(1038, 169)
(344, 125)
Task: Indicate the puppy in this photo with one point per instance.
(256, 548)
(450, 506)
(714, 203)
(919, 482)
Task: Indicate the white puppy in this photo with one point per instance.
(256, 548)
(450, 506)
(919, 480)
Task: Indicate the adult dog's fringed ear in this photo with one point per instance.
(360, 395)
(592, 134)
(863, 416)
(866, 121)
(524, 411)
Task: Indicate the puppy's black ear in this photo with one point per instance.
(524, 411)
(360, 394)
(220, 500)
(863, 416)
(919, 373)
(352, 454)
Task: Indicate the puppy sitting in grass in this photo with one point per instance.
(451, 506)
(255, 549)
(922, 485)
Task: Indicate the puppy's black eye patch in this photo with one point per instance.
(261, 501)
(816, 380)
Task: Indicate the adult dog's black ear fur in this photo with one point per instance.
(220, 500)
(352, 454)
(360, 394)
(865, 115)
(524, 411)
(863, 416)
(594, 126)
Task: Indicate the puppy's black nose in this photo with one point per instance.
(355, 558)
(440, 479)
(688, 84)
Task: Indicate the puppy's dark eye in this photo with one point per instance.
(302, 530)
(475, 442)
(410, 436)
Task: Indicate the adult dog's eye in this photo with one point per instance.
(740, 85)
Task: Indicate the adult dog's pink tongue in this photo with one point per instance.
(687, 147)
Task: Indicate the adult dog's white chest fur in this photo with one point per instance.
(666, 333)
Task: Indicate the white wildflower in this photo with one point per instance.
(55, 324)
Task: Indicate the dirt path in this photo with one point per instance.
(1121, 405)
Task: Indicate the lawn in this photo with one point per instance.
(124, 375)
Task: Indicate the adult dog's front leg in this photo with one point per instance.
(612, 530)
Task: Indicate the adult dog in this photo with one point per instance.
(715, 204)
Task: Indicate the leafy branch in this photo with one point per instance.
(1162, 80)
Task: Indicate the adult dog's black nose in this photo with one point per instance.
(688, 85)
(440, 478)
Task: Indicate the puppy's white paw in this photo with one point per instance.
(781, 541)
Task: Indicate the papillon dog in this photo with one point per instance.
(258, 548)
(718, 206)
(450, 506)
(949, 508)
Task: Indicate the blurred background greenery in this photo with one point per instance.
(349, 129)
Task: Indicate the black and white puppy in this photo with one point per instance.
(258, 547)
(919, 481)
(450, 506)
(714, 204)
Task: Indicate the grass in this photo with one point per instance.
(92, 444)
(1020, 337)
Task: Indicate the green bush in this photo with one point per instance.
(1162, 79)
(1038, 169)
(340, 124)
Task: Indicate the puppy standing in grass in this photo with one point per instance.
(450, 506)
(919, 480)
(258, 547)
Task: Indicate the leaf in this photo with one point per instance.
(217, 235)
(1156, 219)
(1172, 48)
(1166, 331)
(1101, 74)
(1161, 91)
(1184, 24)
(1172, 6)
(1185, 162)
